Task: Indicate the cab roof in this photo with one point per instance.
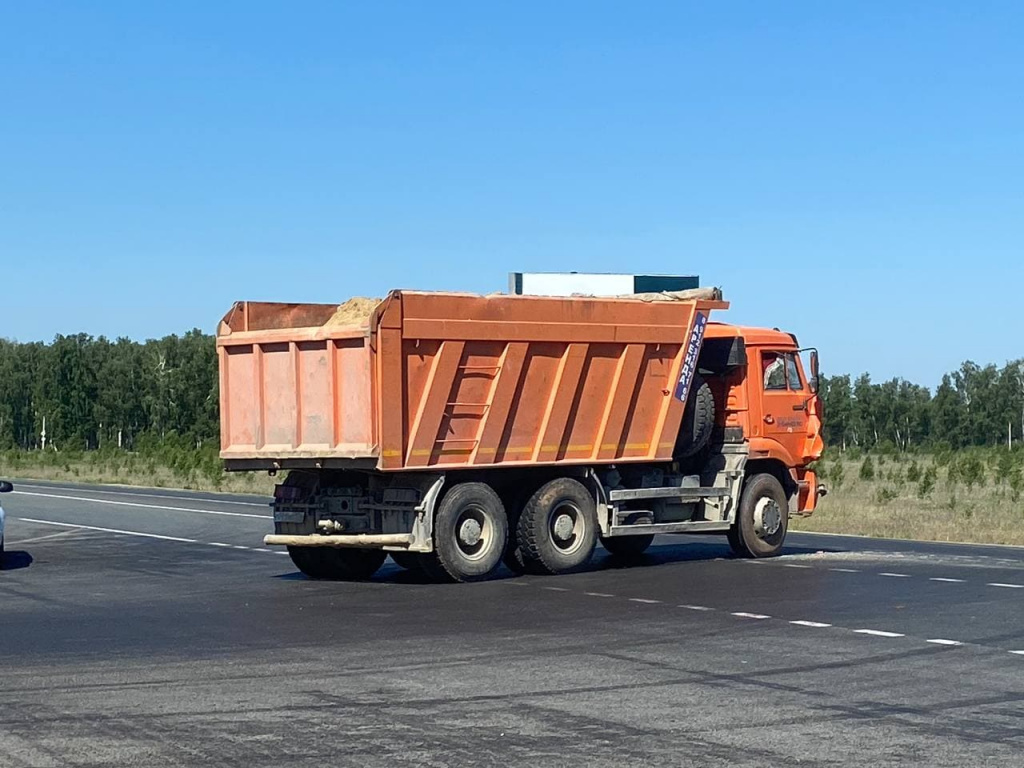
(768, 337)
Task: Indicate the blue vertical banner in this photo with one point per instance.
(693, 346)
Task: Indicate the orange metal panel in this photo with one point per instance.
(452, 380)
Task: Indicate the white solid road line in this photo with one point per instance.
(161, 537)
(109, 530)
(877, 633)
(145, 506)
(812, 624)
(144, 495)
(742, 615)
(36, 539)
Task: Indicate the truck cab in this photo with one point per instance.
(768, 398)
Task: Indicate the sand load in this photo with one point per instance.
(356, 311)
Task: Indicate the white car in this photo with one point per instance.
(5, 487)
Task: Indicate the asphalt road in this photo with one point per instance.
(150, 628)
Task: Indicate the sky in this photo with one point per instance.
(851, 172)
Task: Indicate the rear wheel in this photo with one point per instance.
(514, 502)
(762, 519)
(470, 534)
(627, 546)
(558, 527)
(337, 564)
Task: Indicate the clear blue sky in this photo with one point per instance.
(853, 172)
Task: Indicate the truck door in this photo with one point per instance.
(784, 401)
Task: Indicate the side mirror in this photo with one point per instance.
(5, 487)
(814, 381)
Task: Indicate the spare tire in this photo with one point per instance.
(698, 420)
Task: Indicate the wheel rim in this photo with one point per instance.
(767, 517)
(474, 533)
(567, 527)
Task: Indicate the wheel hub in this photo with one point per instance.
(470, 532)
(563, 527)
(767, 517)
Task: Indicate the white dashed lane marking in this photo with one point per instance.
(877, 633)
(880, 633)
(891, 574)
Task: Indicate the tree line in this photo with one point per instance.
(91, 393)
(94, 393)
(973, 406)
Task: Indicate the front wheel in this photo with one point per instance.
(337, 564)
(762, 519)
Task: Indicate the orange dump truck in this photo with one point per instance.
(455, 432)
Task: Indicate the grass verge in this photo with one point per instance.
(968, 496)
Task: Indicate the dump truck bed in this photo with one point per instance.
(443, 380)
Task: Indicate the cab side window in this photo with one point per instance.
(780, 372)
(773, 367)
(793, 373)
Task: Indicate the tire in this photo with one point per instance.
(337, 564)
(698, 420)
(748, 537)
(627, 546)
(470, 534)
(513, 556)
(558, 528)
(410, 561)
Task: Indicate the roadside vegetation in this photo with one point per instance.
(172, 462)
(902, 461)
(972, 495)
